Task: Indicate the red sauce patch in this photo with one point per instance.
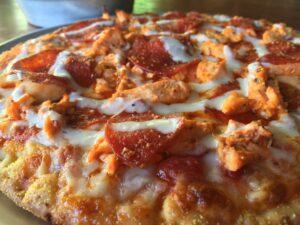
(82, 70)
(40, 62)
(140, 147)
(187, 167)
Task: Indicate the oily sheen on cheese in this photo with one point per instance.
(174, 119)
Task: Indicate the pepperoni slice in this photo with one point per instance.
(150, 55)
(291, 95)
(84, 118)
(279, 59)
(174, 167)
(80, 24)
(282, 53)
(173, 15)
(141, 147)
(82, 70)
(183, 23)
(86, 35)
(283, 47)
(40, 62)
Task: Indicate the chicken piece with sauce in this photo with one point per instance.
(242, 144)
(164, 91)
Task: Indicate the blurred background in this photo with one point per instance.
(13, 21)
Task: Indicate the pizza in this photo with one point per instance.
(171, 119)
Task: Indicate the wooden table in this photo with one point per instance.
(13, 22)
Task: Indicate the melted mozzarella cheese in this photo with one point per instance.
(133, 180)
(296, 40)
(296, 115)
(260, 48)
(38, 119)
(221, 18)
(6, 92)
(2, 107)
(119, 105)
(110, 107)
(223, 79)
(177, 51)
(215, 103)
(18, 75)
(79, 137)
(164, 126)
(163, 22)
(232, 127)
(244, 82)
(18, 93)
(209, 141)
(34, 119)
(208, 26)
(258, 23)
(285, 125)
(83, 138)
(218, 102)
(84, 29)
(203, 145)
(154, 32)
(58, 68)
(282, 155)
(253, 67)
(42, 138)
(231, 63)
(179, 107)
(212, 168)
(96, 186)
(200, 38)
(84, 102)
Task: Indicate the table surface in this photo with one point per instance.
(13, 22)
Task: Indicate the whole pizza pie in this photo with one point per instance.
(171, 119)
